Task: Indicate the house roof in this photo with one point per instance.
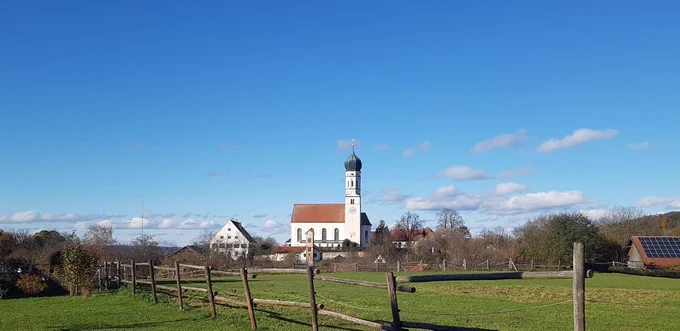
(243, 231)
(193, 248)
(318, 213)
(657, 251)
(289, 249)
(400, 235)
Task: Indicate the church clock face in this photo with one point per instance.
(352, 210)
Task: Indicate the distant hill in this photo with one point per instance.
(663, 224)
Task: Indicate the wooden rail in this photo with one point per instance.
(375, 325)
(400, 288)
(280, 271)
(566, 274)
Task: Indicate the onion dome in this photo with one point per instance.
(353, 163)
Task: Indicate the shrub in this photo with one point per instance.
(31, 285)
(78, 268)
(3, 291)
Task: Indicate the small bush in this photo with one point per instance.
(31, 285)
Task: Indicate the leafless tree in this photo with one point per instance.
(99, 235)
(409, 224)
(451, 219)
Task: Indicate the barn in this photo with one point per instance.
(653, 252)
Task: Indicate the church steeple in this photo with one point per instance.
(353, 198)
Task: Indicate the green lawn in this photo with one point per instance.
(615, 302)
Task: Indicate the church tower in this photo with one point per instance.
(353, 199)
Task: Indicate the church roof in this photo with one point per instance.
(353, 162)
(322, 213)
(364, 219)
(318, 213)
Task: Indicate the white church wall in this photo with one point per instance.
(318, 233)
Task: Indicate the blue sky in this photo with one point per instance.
(223, 109)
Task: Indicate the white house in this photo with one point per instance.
(232, 239)
(334, 222)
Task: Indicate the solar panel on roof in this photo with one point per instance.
(661, 247)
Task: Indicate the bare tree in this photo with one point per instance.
(620, 223)
(99, 235)
(451, 219)
(409, 224)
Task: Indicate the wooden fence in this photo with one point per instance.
(444, 265)
(130, 274)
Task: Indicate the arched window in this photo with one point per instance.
(351, 201)
(336, 235)
(352, 183)
(347, 183)
(299, 235)
(323, 235)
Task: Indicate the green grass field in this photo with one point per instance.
(614, 302)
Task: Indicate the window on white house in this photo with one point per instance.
(299, 235)
(336, 235)
(323, 235)
(221, 237)
(228, 237)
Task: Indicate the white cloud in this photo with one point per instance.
(34, 216)
(535, 202)
(465, 173)
(138, 222)
(446, 197)
(167, 223)
(346, 144)
(382, 147)
(670, 203)
(270, 225)
(508, 140)
(195, 224)
(579, 137)
(594, 214)
(391, 195)
(509, 188)
(107, 223)
(207, 225)
(82, 225)
(642, 145)
(422, 147)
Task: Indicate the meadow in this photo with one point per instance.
(614, 302)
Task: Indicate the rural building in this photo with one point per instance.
(232, 239)
(281, 253)
(334, 222)
(400, 238)
(653, 252)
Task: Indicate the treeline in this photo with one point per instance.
(546, 239)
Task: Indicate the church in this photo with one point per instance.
(334, 222)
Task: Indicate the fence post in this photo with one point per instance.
(420, 265)
(249, 299)
(118, 272)
(106, 274)
(211, 294)
(487, 264)
(579, 290)
(559, 265)
(134, 278)
(99, 278)
(391, 289)
(179, 285)
(312, 297)
(532, 264)
(398, 265)
(464, 264)
(152, 274)
(444, 265)
(356, 267)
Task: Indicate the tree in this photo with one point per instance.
(409, 224)
(620, 223)
(451, 219)
(382, 235)
(549, 238)
(146, 248)
(99, 235)
(78, 268)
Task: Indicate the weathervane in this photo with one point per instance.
(353, 140)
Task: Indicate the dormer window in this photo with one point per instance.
(228, 229)
(221, 237)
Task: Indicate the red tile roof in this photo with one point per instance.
(318, 213)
